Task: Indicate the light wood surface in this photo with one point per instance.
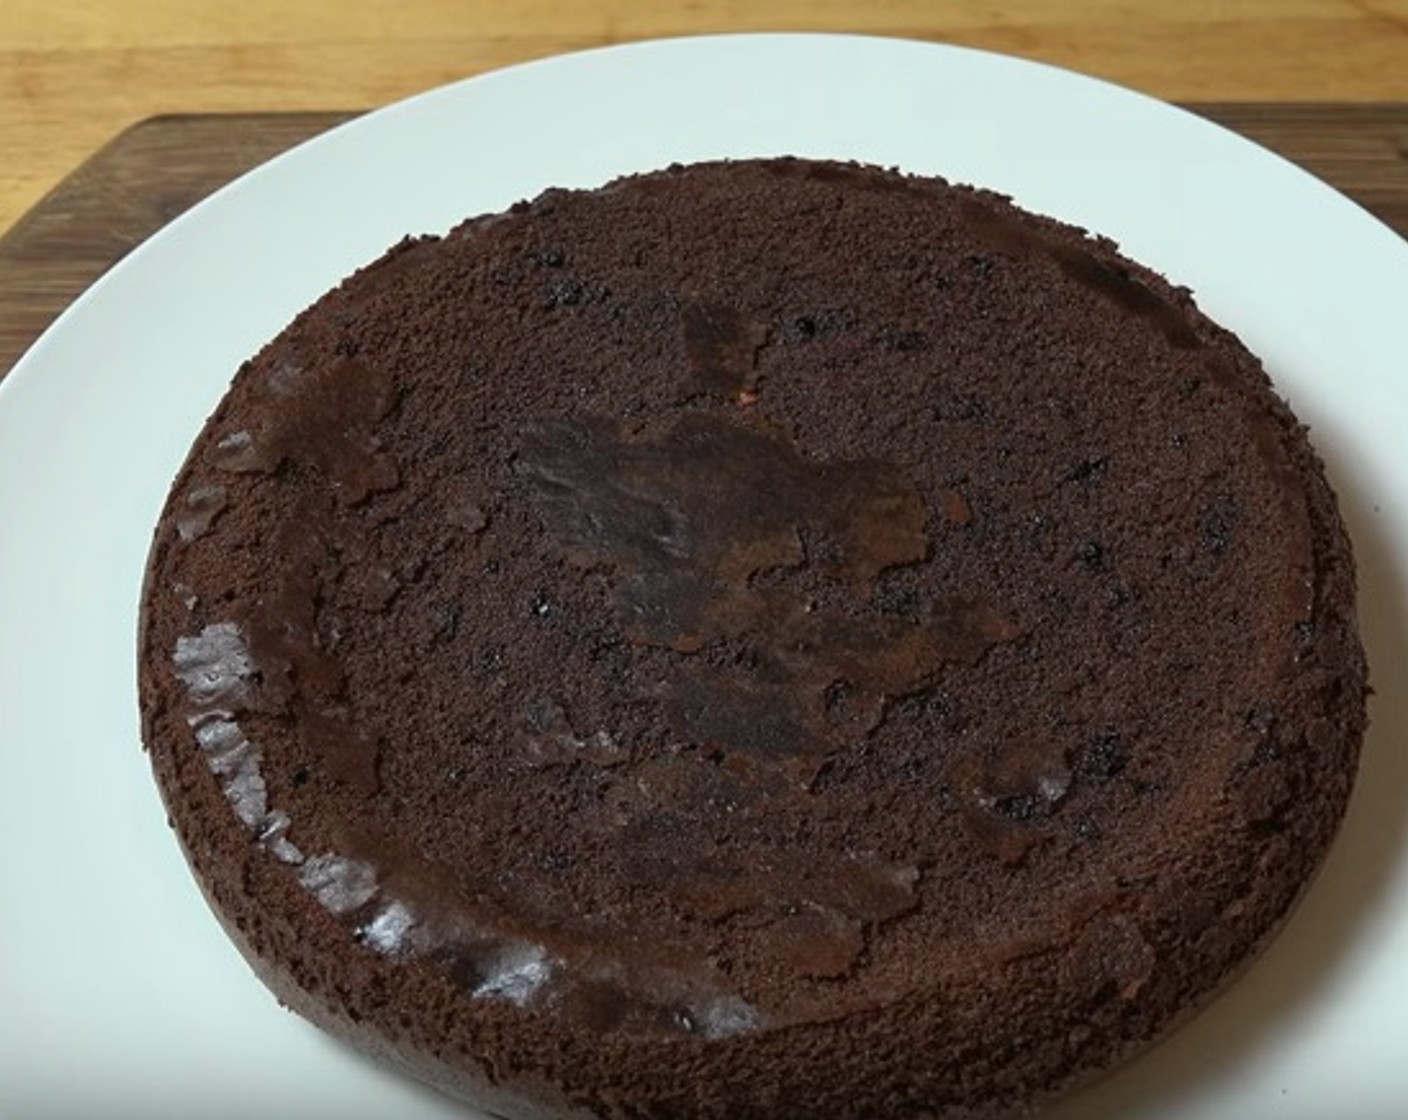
(73, 73)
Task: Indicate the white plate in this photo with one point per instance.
(118, 994)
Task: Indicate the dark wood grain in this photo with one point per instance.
(156, 170)
(121, 195)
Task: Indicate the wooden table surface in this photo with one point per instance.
(73, 73)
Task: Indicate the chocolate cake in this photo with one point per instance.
(760, 639)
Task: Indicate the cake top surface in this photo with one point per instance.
(751, 595)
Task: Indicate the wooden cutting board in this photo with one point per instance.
(157, 169)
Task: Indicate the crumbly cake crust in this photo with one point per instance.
(762, 639)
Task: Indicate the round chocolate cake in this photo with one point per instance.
(762, 639)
